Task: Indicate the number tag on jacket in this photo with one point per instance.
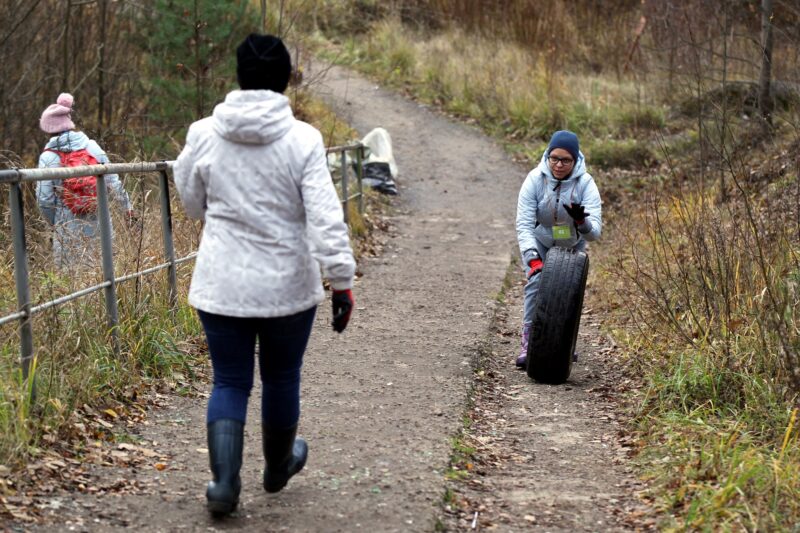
(561, 232)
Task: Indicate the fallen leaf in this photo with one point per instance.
(160, 466)
(112, 413)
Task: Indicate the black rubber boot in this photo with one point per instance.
(225, 443)
(285, 456)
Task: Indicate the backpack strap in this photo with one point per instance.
(60, 155)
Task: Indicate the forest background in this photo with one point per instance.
(688, 113)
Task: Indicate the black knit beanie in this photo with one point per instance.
(263, 62)
(566, 140)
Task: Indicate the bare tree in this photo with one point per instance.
(764, 81)
(101, 70)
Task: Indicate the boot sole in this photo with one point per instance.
(218, 508)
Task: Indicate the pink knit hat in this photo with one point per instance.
(56, 118)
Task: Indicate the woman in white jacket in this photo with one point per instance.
(559, 205)
(259, 179)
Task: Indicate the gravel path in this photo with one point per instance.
(382, 402)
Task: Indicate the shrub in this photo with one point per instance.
(645, 118)
(621, 154)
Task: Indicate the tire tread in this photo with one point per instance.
(557, 314)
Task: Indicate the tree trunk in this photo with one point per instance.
(280, 18)
(65, 63)
(764, 100)
(101, 71)
(198, 64)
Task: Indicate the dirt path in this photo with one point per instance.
(546, 458)
(381, 403)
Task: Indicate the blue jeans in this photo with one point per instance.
(231, 343)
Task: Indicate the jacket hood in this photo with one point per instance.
(253, 117)
(68, 141)
(577, 172)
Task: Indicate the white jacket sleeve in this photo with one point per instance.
(330, 244)
(189, 181)
(526, 218)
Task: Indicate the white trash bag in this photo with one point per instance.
(379, 165)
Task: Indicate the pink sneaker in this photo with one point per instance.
(522, 358)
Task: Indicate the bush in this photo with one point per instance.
(739, 97)
(646, 118)
(621, 154)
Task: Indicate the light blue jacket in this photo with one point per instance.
(541, 206)
(48, 192)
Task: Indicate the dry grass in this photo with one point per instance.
(512, 92)
(75, 363)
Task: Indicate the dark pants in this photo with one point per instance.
(282, 342)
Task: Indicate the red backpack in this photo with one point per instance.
(80, 193)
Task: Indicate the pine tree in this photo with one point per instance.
(191, 47)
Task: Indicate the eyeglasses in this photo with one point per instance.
(564, 161)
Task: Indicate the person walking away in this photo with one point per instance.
(70, 205)
(259, 179)
(558, 205)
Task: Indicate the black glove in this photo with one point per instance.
(342, 307)
(576, 212)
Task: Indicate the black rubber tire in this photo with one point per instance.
(557, 315)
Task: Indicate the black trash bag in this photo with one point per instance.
(379, 177)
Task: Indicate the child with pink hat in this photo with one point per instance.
(74, 241)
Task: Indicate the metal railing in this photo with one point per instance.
(25, 311)
(358, 148)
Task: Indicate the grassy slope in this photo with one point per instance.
(683, 280)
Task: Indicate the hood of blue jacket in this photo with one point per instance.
(253, 117)
(577, 172)
(68, 141)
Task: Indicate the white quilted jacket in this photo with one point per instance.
(259, 179)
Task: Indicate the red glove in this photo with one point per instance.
(536, 267)
(131, 218)
(342, 302)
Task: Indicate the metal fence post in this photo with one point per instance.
(21, 277)
(345, 193)
(104, 218)
(169, 247)
(360, 176)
